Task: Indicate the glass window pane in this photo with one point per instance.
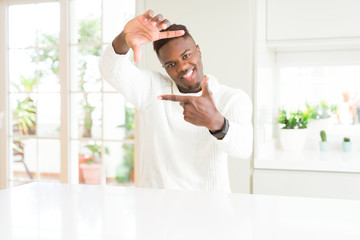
(86, 115)
(49, 159)
(115, 20)
(22, 70)
(86, 75)
(48, 24)
(48, 66)
(48, 115)
(23, 156)
(318, 89)
(86, 19)
(22, 23)
(116, 121)
(119, 163)
(24, 114)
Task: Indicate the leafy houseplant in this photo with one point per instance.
(24, 114)
(346, 145)
(324, 145)
(293, 129)
(293, 120)
(96, 152)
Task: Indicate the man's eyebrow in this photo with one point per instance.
(180, 55)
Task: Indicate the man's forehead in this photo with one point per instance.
(176, 47)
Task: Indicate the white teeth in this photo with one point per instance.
(188, 74)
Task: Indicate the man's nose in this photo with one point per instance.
(183, 66)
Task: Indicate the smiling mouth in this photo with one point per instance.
(189, 75)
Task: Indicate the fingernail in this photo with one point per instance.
(159, 97)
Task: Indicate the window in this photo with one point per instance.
(41, 65)
(324, 85)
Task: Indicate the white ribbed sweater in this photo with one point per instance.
(175, 154)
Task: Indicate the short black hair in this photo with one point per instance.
(161, 42)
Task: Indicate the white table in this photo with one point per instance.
(61, 211)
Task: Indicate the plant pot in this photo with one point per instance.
(293, 139)
(132, 175)
(324, 146)
(346, 146)
(83, 158)
(91, 173)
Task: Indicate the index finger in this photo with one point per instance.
(175, 98)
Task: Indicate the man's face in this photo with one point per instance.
(181, 58)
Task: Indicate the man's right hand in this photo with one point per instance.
(141, 30)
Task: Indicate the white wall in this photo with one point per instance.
(223, 31)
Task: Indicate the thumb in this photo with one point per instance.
(205, 87)
(137, 54)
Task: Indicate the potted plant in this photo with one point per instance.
(293, 131)
(346, 145)
(324, 145)
(91, 169)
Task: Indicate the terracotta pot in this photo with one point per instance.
(132, 176)
(82, 159)
(91, 173)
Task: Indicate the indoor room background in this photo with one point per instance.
(297, 56)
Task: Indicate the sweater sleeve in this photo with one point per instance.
(238, 142)
(134, 84)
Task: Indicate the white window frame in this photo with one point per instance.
(64, 76)
(64, 85)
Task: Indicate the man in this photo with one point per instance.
(189, 123)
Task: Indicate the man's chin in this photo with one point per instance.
(195, 88)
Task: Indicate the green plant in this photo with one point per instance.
(96, 152)
(48, 55)
(24, 114)
(293, 120)
(88, 33)
(26, 84)
(346, 139)
(128, 159)
(323, 135)
(320, 111)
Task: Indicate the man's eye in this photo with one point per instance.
(170, 65)
(186, 56)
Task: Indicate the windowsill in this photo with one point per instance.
(307, 160)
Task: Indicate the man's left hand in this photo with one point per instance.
(199, 110)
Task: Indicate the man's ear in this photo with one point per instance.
(198, 50)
